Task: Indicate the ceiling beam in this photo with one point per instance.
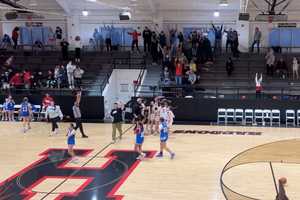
(152, 6)
(244, 5)
(64, 4)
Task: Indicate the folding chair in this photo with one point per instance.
(239, 116)
(258, 117)
(229, 116)
(275, 120)
(249, 116)
(221, 116)
(290, 118)
(267, 117)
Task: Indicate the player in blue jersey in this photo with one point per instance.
(10, 108)
(164, 135)
(139, 139)
(5, 111)
(25, 114)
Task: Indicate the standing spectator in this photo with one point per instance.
(147, 39)
(218, 38)
(58, 76)
(78, 46)
(258, 85)
(295, 68)
(281, 68)
(77, 114)
(256, 40)
(78, 72)
(47, 101)
(50, 83)
(116, 113)
(154, 47)
(65, 49)
(54, 114)
(229, 66)
(58, 34)
(235, 44)
(64, 76)
(15, 36)
(229, 39)
(180, 38)
(162, 39)
(135, 39)
(108, 42)
(70, 74)
(270, 62)
(166, 76)
(178, 71)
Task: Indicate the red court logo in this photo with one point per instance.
(101, 182)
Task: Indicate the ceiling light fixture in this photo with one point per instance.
(32, 3)
(223, 3)
(216, 14)
(85, 13)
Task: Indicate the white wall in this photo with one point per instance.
(119, 88)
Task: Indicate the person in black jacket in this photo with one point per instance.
(116, 113)
(218, 38)
(147, 39)
(229, 66)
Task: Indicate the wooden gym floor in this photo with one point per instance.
(205, 157)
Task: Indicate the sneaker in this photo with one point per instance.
(160, 155)
(84, 136)
(172, 155)
(74, 160)
(140, 157)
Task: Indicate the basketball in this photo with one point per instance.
(283, 180)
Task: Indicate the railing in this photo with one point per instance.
(247, 92)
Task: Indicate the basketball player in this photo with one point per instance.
(10, 108)
(25, 112)
(164, 135)
(139, 139)
(77, 114)
(170, 120)
(156, 112)
(71, 141)
(281, 191)
(152, 116)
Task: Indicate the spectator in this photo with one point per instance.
(166, 76)
(70, 74)
(256, 40)
(135, 39)
(78, 46)
(17, 81)
(281, 68)
(270, 62)
(9, 61)
(178, 71)
(37, 79)
(192, 78)
(47, 101)
(180, 38)
(58, 76)
(147, 39)
(229, 40)
(154, 47)
(50, 82)
(64, 76)
(162, 39)
(193, 66)
(258, 85)
(65, 49)
(5, 81)
(6, 42)
(92, 44)
(218, 38)
(27, 79)
(295, 68)
(229, 66)
(108, 43)
(235, 44)
(58, 34)
(15, 36)
(78, 72)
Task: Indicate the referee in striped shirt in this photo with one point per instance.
(77, 117)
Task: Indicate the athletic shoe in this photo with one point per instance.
(140, 157)
(172, 155)
(84, 136)
(160, 155)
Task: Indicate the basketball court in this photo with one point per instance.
(241, 161)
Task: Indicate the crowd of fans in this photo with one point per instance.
(13, 77)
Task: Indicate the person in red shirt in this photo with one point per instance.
(47, 101)
(178, 72)
(17, 81)
(135, 39)
(27, 79)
